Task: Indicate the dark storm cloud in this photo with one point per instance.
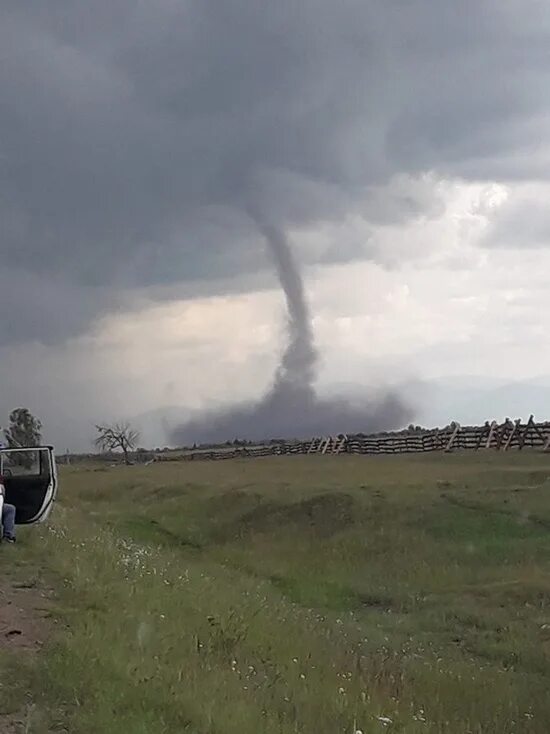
(48, 309)
(132, 134)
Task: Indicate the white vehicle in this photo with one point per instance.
(30, 479)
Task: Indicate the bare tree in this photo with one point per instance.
(117, 436)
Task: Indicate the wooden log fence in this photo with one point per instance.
(505, 436)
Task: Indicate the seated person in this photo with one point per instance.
(8, 516)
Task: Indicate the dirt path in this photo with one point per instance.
(25, 624)
(24, 615)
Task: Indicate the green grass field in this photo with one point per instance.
(321, 595)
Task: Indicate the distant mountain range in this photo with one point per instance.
(466, 399)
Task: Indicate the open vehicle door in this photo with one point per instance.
(30, 478)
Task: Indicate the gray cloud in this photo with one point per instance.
(524, 219)
(131, 134)
(48, 309)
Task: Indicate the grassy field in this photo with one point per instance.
(314, 594)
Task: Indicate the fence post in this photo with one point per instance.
(512, 434)
(491, 434)
(523, 436)
(455, 433)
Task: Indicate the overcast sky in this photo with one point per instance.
(404, 147)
